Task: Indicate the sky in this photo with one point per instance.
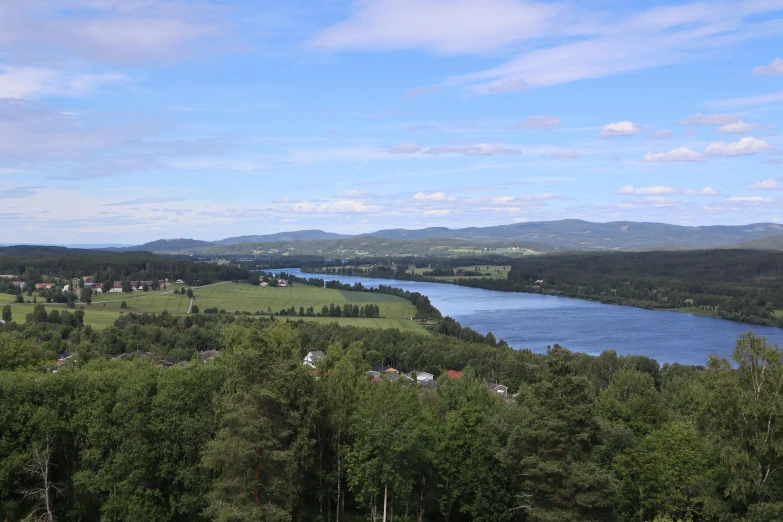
(126, 121)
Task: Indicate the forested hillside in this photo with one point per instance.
(33, 264)
(253, 434)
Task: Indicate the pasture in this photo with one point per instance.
(395, 312)
(494, 271)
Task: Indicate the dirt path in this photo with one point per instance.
(190, 306)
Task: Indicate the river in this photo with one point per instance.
(536, 321)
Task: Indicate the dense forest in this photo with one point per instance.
(253, 434)
(741, 285)
(33, 264)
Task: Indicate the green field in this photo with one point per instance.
(778, 313)
(8, 298)
(233, 297)
(495, 271)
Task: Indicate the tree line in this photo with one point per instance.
(255, 435)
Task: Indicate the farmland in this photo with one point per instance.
(395, 312)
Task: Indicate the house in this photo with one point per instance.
(67, 288)
(20, 284)
(494, 387)
(7, 276)
(44, 285)
(420, 376)
(166, 362)
(63, 357)
(372, 375)
(98, 289)
(312, 358)
(116, 287)
(281, 282)
(382, 368)
(208, 355)
(539, 281)
(2, 322)
(264, 283)
(88, 279)
(453, 374)
(180, 282)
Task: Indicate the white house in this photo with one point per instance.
(313, 357)
(420, 376)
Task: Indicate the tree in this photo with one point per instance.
(85, 295)
(39, 469)
(7, 315)
(554, 447)
(123, 305)
(189, 293)
(126, 286)
(743, 408)
(107, 286)
(381, 462)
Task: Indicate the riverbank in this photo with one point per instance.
(504, 285)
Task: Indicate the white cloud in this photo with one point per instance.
(354, 194)
(681, 154)
(216, 164)
(30, 82)
(334, 207)
(440, 26)
(744, 147)
(767, 184)
(739, 127)
(709, 119)
(662, 134)
(775, 67)
(659, 190)
(565, 154)
(620, 128)
(433, 196)
(706, 191)
(537, 122)
(749, 100)
(750, 199)
(482, 149)
(438, 212)
(405, 148)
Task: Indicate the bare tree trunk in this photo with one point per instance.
(39, 468)
(385, 491)
(339, 491)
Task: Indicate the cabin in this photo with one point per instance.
(313, 357)
(499, 389)
(453, 374)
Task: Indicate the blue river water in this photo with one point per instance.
(536, 321)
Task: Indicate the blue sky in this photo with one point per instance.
(124, 121)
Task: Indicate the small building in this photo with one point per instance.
(420, 376)
(64, 357)
(539, 281)
(180, 282)
(499, 389)
(45, 286)
(372, 375)
(20, 284)
(281, 282)
(116, 287)
(453, 374)
(207, 355)
(313, 357)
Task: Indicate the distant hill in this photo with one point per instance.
(542, 236)
(767, 243)
(168, 245)
(576, 234)
(298, 235)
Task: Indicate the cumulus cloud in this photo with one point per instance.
(744, 147)
(706, 191)
(775, 67)
(433, 196)
(709, 119)
(620, 128)
(659, 190)
(767, 184)
(405, 148)
(482, 149)
(681, 154)
(739, 127)
(537, 122)
(662, 134)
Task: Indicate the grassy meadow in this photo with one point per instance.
(234, 297)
